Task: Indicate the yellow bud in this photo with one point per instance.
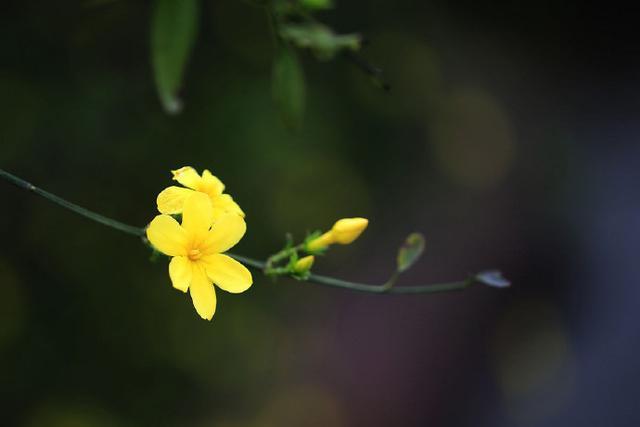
(347, 230)
(321, 242)
(344, 231)
(304, 264)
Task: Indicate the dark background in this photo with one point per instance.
(509, 138)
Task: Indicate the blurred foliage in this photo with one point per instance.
(319, 39)
(173, 31)
(288, 86)
(410, 252)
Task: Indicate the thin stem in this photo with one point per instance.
(287, 252)
(258, 265)
(135, 231)
(375, 73)
(364, 287)
(381, 289)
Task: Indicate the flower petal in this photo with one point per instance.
(228, 273)
(202, 293)
(210, 184)
(171, 200)
(180, 272)
(224, 204)
(225, 234)
(167, 236)
(187, 176)
(197, 214)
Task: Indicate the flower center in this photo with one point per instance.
(194, 254)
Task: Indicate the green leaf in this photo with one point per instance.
(317, 4)
(322, 41)
(288, 86)
(492, 278)
(173, 31)
(410, 251)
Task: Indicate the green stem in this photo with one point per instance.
(259, 265)
(18, 182)
(381, 289)
(274, 259)
(364, 287)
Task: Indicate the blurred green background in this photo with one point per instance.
(507, 139)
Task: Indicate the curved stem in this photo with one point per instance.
(364, 287)
(21, 183)
(259, 265)
(381, 289)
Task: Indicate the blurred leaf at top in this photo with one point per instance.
(320, 39)
(317, 4)
(173, 31)
(410, 251)
(288, 86)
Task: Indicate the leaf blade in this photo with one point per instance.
(410, 251)
(173, 33)
(288, 86)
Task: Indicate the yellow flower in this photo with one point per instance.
(171, 200)
(343, 232)
(304, 264)
(196, 250)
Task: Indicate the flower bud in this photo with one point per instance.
(304, 264)
(320, 243)
(347, 230)
(343, 232)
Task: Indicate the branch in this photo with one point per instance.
(363, 287)
(251, 262)
(20, 183)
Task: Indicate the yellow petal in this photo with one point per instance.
(180, 272)
(225, 234)
(202, 293)
(224, 204)
(210, 184)
(187, 176)
(228, 273)
(171, 200)
(197, 214)
(166, 235)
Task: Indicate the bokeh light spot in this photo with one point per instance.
(307, 406)
(533, 360)
(472, 139)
